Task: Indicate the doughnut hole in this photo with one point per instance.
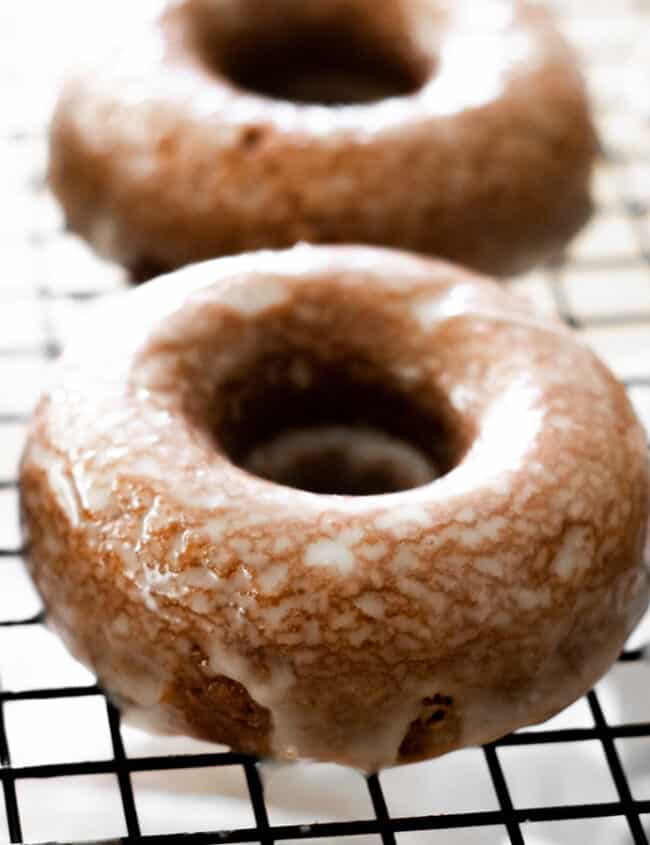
(340, 53)
(335, 427)
(328, 68)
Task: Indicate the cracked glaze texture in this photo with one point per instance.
(367, 629)
(160, 159)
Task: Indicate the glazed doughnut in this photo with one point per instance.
(464, 556)
(242, 124)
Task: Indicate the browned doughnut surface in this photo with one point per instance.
(446, 128)
(358, 628)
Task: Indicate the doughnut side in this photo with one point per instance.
(151, 668)
(364, 630)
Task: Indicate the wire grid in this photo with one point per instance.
(601, 289)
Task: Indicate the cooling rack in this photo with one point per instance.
(601, 289)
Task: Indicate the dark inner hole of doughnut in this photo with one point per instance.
(329, 429)
(314, 65)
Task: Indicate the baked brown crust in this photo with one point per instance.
(160, 159)
(361, 629)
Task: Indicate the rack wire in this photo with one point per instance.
(601, 289)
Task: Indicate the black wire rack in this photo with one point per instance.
(601, 289)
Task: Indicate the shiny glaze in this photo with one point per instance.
(282, 622)
(160, 160)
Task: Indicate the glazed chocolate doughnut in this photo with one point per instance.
(464, 556)
(420, 124)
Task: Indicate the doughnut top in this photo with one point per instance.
(504, 579)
